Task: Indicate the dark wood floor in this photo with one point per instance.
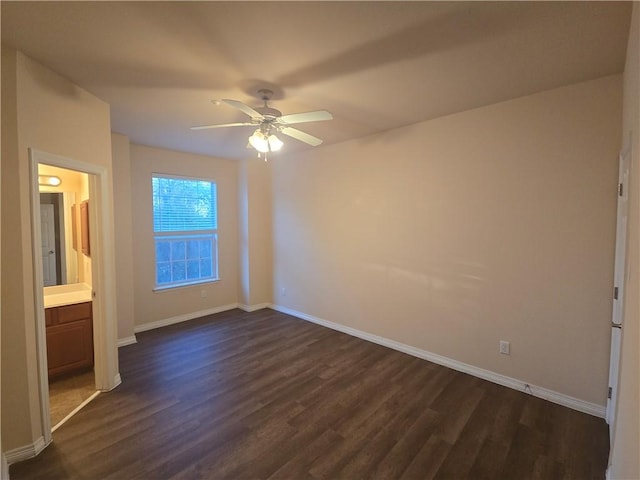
(265, 395)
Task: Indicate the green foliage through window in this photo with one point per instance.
(185, 223)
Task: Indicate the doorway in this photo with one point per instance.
(93, 317)
(67, 287)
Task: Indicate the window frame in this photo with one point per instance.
(186, 235)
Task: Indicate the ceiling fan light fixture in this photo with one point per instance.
(259, 141)
(275, 143)
(265, 142)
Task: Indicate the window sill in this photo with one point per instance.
(184, 285)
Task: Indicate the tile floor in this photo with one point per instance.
(66, 393)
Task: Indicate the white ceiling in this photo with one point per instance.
(374, 65)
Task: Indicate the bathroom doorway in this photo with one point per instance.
(76, 314)
(67, 287)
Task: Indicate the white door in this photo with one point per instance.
(48, 229)
(619, 282)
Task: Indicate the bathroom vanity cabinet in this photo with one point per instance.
(69, 338)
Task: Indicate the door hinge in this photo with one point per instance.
(609, 393)
(615, 293)
(620, 189)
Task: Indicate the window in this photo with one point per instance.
(185, 225)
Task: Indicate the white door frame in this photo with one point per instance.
(103, 279)
(620, 281)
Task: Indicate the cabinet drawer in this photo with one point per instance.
(71, 313)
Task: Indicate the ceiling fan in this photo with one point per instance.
(269, 122)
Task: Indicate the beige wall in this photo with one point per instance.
(450, 235)
(254, 188)
(153, 306)
(47, 112)
(244, 277)
(123, 237)
(625, 448)
(17, 428)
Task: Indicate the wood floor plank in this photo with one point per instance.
(264, 395)
(426, 463)
(400, 456)
(471, 439)
(297, 466)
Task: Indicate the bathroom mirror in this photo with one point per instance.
(59, 257)
(62, 259)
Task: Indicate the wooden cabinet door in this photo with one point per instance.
(69, 338)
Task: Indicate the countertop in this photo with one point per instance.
(66, 294)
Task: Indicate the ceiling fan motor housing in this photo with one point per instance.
(268, 112)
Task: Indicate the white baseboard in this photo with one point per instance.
(520, 385)
(117, 380)
(26, 452)
(253, 308)
(182, 318)
(123, 342)
(74, 411)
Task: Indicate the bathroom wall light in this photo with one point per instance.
(49, 180)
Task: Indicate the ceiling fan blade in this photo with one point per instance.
(242, 107)
(302, 136)
(316, 116)
(222, 125)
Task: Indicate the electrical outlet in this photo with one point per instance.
(505, 347)
(283, 292)
(203, 293)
